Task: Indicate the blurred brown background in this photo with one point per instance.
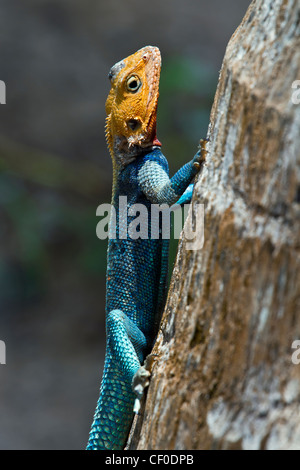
(55, 171)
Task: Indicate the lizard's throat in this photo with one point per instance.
(125, 150)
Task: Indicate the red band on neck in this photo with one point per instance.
(156, 142)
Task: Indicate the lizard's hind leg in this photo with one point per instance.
(128, 345)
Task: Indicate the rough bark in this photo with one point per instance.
(223, 375)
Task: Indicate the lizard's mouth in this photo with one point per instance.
(151, 55)
(153, 140)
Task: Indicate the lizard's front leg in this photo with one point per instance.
(159, 188)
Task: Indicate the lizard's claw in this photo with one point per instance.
(139, 382)
(200, 156)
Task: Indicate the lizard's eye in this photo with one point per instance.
(133, 83)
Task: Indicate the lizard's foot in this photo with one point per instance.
(200, 156)
(139, 382)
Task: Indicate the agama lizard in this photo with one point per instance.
(136, 268)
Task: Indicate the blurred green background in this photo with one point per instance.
(54, 172)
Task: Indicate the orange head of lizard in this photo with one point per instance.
(131, 105)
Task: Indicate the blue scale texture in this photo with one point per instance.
(135, 293)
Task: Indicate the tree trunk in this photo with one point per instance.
(223, 375)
